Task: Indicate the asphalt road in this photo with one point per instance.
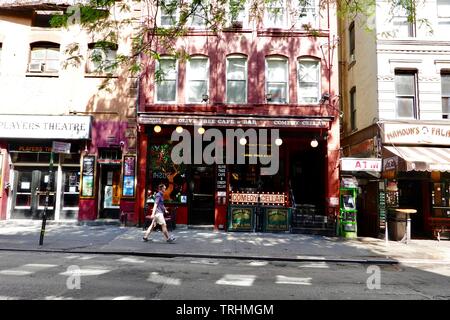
(49, 276)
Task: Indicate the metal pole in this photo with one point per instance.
(47, 196)
(386, 212)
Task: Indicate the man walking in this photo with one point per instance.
(158, 216)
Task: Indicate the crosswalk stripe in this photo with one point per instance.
(155, 277)
(293, 280)
(27, 269)
(241, 280)
(85, 271)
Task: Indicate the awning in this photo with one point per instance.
(423, 158)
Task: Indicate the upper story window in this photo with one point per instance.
(166, 79)
(197, 76)
(404, 24)
(101, 57)
(277, 80)
(199, 13)
(237, 13)
(44, 57)
(236, 79)
(445, 92)
(351, 41)
(169, 13)
(308, 80)
(443, 13)
(353, 109)
(42, 18)
(308, 12)
(406, 94)
(275, 14)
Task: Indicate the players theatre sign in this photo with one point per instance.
(45, 127)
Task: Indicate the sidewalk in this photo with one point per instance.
(110, 239)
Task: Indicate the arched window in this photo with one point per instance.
(236, 79)
(44, 57)
(308, 80)
(197, 76)
(277, 76)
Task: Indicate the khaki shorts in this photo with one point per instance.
(159, 218)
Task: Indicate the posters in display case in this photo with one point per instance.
(88, 176)
(129, 176)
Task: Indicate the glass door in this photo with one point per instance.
(70, 193)
(110, 192)
(29, 194)
(201, 187)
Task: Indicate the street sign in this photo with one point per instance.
(60, 147)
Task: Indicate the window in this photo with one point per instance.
(197, 79)
(307, 13)
(42, 18)
(166, 80)
(277, 80)
(275, 14)
(353, 109)
(309, 81)
(199, 14)
(44, 57)
(237, 13)
(405, 94)
(236, 79)
(102, 57)
(443, 13)
(404, 23)
(351, 41)
(445, 88)
(169, 13)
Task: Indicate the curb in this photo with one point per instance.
(210, 256)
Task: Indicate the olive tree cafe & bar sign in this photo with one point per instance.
(45, 127)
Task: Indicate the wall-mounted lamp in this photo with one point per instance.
(269, 97)
(325, 97)
(314, 143)
(157, 129)
(179, 129)
(205, 97)
(243, 141)
(278, 141)
(201, 130)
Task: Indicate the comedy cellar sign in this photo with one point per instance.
(45, 127)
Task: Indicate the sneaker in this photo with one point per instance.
(145, 239)
(171, 239)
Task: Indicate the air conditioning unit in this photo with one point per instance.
(352, 58)
(36, 67)
(237, 24)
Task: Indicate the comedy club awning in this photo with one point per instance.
(423, 158)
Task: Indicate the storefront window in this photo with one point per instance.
(248, 178)
(164, 171)
(440, 198)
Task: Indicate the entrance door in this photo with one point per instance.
(30, 187)
(109, 192)
(201, 188)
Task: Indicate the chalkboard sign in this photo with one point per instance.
(241, 218)
(221, 182)
(382, 208)
(88, 176)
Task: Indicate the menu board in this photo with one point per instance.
(276, 219)
(88, 176)
(129, 176)
(221, 181)
(241, 218)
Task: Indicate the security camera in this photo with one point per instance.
(122, 143)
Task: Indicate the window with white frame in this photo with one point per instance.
(404, 24)
(445, 92)
(351, 41)
(197, 76)
(406, 94)
(236, 79)
(275, 14)
(44, 57)
(168, 15)
(237, 14)
(166, 80)
(307, 13)
(353, 109)
(102, 57)
(199, 13)
(443, 13)
(308, 80)
(277, 80)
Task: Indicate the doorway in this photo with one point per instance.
(201, 194)
(109, 197)
(30, 187)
